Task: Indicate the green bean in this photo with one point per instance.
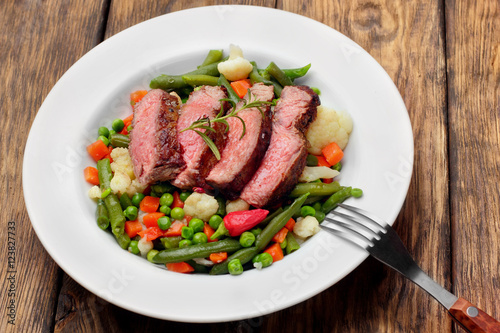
(255, 76)
(335, 199)
(104, 173)
(212, 56)
(197, 267)
(200, 80)
(312, 160)
(270, 217)
(162, 188)
(311, 200)
(279, 75)
(117, 219)
(315, 189)
(175, 82)
(244, 255)
(278, 223)
(292, 244)
(232, 95)
(295, 73)
(221, 211)
(171, 242)
(277, 87)
(101, 215)
(196, 251)
(125, 201)
(119, 140)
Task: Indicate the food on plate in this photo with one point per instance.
(211, 173)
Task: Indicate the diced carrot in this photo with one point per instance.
(323, 162)
(109, 155)
(91, 175)
(136, 96)
(151, 233)
(218, 257)
(132, 228)
(333, 153)
(280, 236)
(150, 204)
(275, 251)
(241, 87)
(290, 224)
(188, 218)
(98, 150)
(177, 201)
(207, 230)
(327, 180)
(180, 267)
(151, 219)
(174, 230)
(127, 122)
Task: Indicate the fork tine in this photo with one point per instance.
(377, 222)
(358, 223)
(348, 237)
(354, 226)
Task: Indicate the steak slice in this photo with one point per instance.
(286, 155)
(204, 102)
(242, 155)
(153, 148)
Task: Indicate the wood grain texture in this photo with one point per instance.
(473, 62)
(407, 39)
(37, 45)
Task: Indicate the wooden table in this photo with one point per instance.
(444, 57)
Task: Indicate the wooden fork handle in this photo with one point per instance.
(473, 319)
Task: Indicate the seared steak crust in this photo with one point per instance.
(242, 155)
(285, 158)
(154, 149)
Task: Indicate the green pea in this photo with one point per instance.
(356, 192)
(129, 128)
(137, 198)
(307, 211)
(196, 224)
(103, 139)
(316, 90)
(103, 131)
(164, 222)
(320, 216)
(131, 213)
(200, 238)
(165, 210)
(317, 206)
(215, 221)
(118, 125)
(264, 258)
(133, 247)
(187, 232)
(111, 132)
(337, 166)
(166, 199)
(185, 243)
(283, 244)
(184, 195)
(151, 254)
(256, 231)
(177, 213)
(235, 267)
(247, 239)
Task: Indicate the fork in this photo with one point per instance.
(382, 242)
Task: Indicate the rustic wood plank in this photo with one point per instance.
(407, 39)
(37, 45)
(473, 58)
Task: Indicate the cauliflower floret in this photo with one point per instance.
(236, 67)
(201, 206)
(329, 126)
(236, 205)
(122, 162)
(306, 227)
(135, 187)
(312, 173)
(144, 246)
(94, 192)
(120, 182)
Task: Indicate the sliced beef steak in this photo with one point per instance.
(286, 155)
(242, 155)
(204, 102)
(154, 149)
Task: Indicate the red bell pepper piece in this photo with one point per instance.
(238, 222)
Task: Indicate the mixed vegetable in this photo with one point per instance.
(193, 231)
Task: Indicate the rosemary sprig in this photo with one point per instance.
(205, 123)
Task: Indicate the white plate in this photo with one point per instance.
(95, 90)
